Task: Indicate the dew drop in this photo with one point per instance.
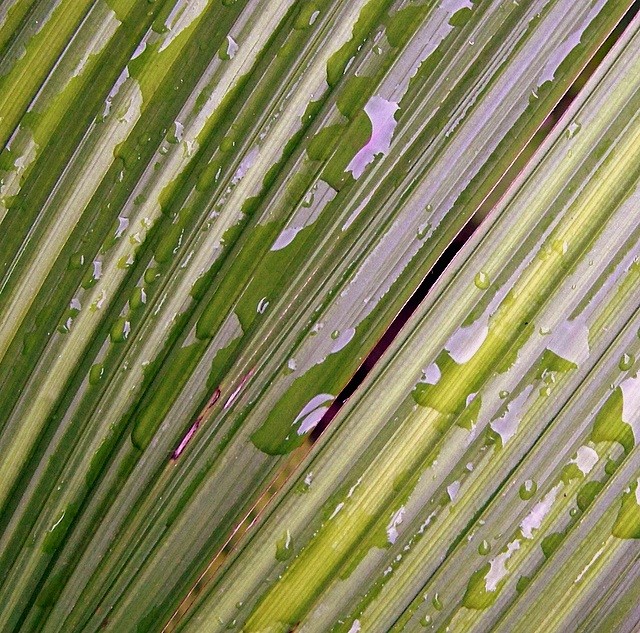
(626, 362)
(120, 330)
(138, 298)
(528, 489)
(381, 114)
(573, 129)
(284, 547)
(176, 133)
(76, 261)
(307, 16)
(307, 201)
(228, 49)
(305, 484)
(610, 467)
(263, 304)
(227, 144)
(95, 373)
(481, 280)
(484, 548)
(560, 246)
(151, 275)
(522, 583)
(423, 231)
(437, 604)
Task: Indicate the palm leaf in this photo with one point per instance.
(211, 213)
(506, 475)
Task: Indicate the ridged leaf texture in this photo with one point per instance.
(212, 210)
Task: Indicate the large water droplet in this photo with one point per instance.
(626, 362)
(95, 373)
(481, 280)
(528, 489)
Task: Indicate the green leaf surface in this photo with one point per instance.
(409, 518)
(210, 212)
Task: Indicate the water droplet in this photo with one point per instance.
(437, 604)
(284, 547)
(453, 489)
(228, 49)
(610, 467)
(120, 330)
(97, 269)
(313, 412)
(76, 261)
(560, 246)
(176, 133)
(573, 129)
(308, 15)
(381, 114)
(626, 362)
(484, 548)
(151, 274)
(138, 298)
(528, 489)
(551, 543)
(335, 334)
(423, 231)
(627, 523)
(263, 304)
(95, 373)
(305, 484)
(227, 144)
(481, 280)
(426, 621)
(522, 583)
(307, 201)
